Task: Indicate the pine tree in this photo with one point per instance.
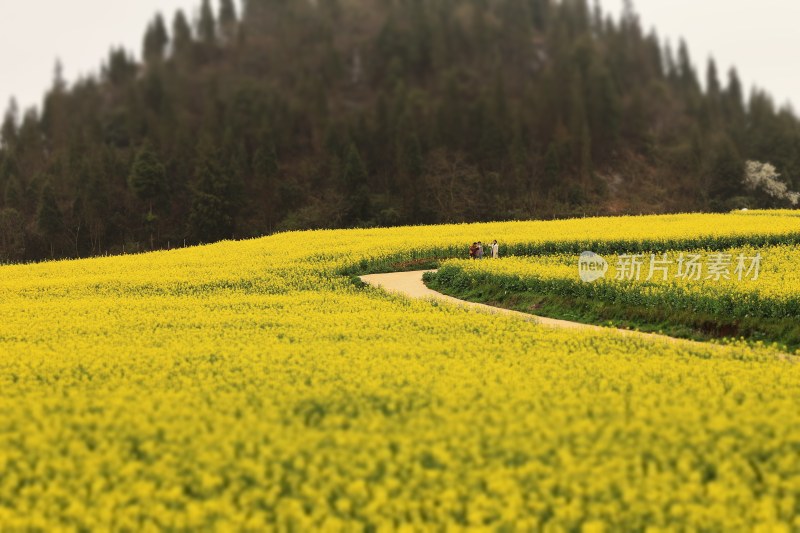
(49, 220)
(156, 40)
(762, 127)
(420, 38)
(413, 162)
(686, 73)
(8, 165)
(147, 178)
(227, 20)
(149, 53)
(597, 18)
(734, 97)
(604, 108)
(214, 204)
(552, 167)
(265, 163)
(578, 120)
(726, 170)
(12, 235)
(354, 179)
(734, 88)
(354, 174)
(713, 88)
(59, 83)
(8, 131)
(181, 34)
(450, 119)
(257, 12)
(97, 204)
(120, 67)
(207, 26)
(652, 59)
(670, 67)
(540, 13)
(265, 171)
(208, 219)
(236, 164)
(412, 169)
(12, 196)
(148, 181)
(712, 105)
(161, 39)
(519, 159)
(494, 120)
(586, 158)
(54, 112)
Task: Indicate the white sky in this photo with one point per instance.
(34, 33)
(760, 38)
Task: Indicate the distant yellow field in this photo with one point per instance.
(252, 385)
(742, 281)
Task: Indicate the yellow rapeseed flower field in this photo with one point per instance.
(252, 386)
(761, 281)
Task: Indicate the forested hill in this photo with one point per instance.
(339, 113)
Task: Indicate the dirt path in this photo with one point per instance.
(410, 284)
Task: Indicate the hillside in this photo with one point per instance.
(345, 113)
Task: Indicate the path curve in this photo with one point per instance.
(410, 284)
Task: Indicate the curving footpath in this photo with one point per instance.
(410, 284)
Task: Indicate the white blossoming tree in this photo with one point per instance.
(763, 177)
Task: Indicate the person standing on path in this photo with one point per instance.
(473, 250)
(495, 249)
(479, 255)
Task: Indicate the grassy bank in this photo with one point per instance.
(682, 323)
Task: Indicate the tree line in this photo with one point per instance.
(356, 113)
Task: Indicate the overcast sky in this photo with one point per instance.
(34, 33)
(761, 38)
